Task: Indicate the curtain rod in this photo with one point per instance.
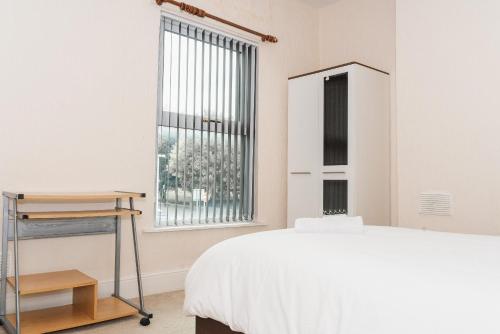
(201, 13)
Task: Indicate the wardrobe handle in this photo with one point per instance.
(333, 172)
(300, 173)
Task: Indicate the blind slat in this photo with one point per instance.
(193, 158)
(159, 116)
(171, 62)
(230, 130)
(215, 170)
(208, 126)
(243, 123)
(201, 113)
(236, 116)
(223, 152)
(178, 129)
(185, 134)
(244, 175)
(252, 131)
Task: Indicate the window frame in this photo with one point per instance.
(204, 125)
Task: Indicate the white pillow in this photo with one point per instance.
(330, 224)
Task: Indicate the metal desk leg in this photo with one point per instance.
(144, 321)
(5, 258)
(118, 238)
(16, 267)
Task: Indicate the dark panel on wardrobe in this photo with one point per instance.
(335, 120)
(334, 197)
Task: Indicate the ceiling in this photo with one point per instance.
(320, 3)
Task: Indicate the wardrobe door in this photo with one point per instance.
(335, 120)
(303, 148)
(302, 197)
(303, 124)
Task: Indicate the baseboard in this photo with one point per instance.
(153, 283)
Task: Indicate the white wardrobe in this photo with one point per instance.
(338, 144)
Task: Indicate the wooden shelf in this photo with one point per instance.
(77, 214)
(86, 308)
(53, 281)
(70, 316)
(75, 197)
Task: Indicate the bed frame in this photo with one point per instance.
(210, 326)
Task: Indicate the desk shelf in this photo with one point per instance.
(74, 197)
(70, 316)
(53, 281)
(122, 212)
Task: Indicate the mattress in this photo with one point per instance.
(386, 280)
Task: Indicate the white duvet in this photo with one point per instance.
(385, 281)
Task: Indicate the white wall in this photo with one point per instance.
(358, 30)
(78, 90)
(448, 79)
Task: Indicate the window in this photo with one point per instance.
(205, 127)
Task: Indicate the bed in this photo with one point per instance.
(385, 280)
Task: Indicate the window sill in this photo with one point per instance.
(201, 227)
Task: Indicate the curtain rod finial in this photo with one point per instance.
(192, 9)
(269, 38)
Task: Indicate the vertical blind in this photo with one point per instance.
(206, 126)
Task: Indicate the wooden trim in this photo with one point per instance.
(78, 214)
(202, 13)
(131, 194)
(52, 281)
(211, 326)
(76, 197)
(85, 300)
(70, 316)
(334, 67)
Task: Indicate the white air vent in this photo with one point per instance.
(435, 203)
